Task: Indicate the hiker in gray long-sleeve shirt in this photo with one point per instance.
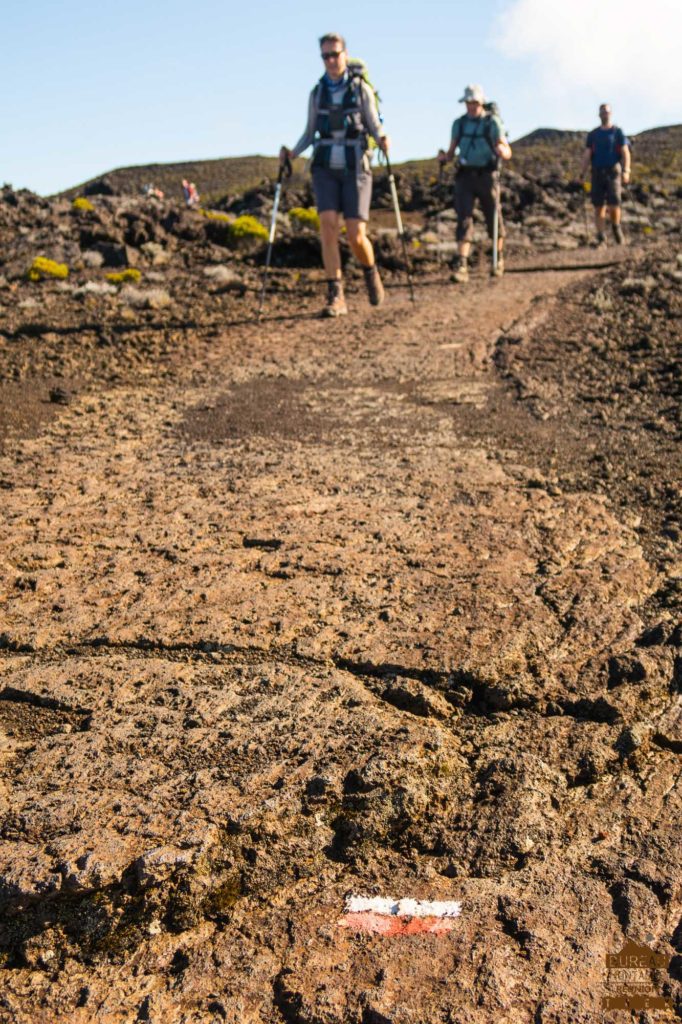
(342, 114)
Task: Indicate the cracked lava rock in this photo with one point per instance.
(295, 610)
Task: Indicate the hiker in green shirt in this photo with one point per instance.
(478, 137)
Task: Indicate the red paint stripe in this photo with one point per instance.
(387, 924)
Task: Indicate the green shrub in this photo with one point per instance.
(214, 215)
(42, 267)
(305, 217)
(82, 205)
(123, 276)
(248, 227)
(234, 232)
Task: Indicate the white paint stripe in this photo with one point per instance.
(403, 908)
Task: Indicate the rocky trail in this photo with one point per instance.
(387, 606)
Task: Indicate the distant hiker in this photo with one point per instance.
(189, 191)
(342, 114)
(151, 191)
(479, 139)
(608, 151)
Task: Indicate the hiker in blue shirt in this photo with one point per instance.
(608, 152)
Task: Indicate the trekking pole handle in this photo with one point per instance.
(284, 169)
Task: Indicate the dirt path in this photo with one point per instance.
(304, 622)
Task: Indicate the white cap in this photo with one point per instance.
(473, 93)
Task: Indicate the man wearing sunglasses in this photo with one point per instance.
(342, 114)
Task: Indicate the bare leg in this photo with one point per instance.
(359, 242)
(364, 254)
(464, 248)
(329, 237)
(600, 219)
(615, 214)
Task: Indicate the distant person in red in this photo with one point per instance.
(608, 152)
(189, 191)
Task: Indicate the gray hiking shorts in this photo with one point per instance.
(607, 186)
(474, 183)
(347, 192)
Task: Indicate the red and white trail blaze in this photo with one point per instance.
(381, 916)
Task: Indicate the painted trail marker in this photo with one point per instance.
(379, 915)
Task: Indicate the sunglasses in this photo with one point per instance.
(332, 53)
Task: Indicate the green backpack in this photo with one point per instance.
(358, 69)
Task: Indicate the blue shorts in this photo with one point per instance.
(346, 192)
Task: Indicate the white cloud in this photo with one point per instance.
(607, 48)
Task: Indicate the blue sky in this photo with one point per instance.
(91, 87)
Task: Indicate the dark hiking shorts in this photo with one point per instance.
(474, 183)
(607, 186)
(347, 192)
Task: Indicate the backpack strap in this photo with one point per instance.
(355, 139)
(618, 134)
(488, 131)
(354, 86)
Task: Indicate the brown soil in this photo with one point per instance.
(300, 609)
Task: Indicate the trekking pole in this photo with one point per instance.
(627, 198)
(439, 189)
(284, 168)
(585, 217)
(496, 224)
(399, 221)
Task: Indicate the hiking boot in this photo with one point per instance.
(600, 240)
(461, 275)
(498, 271)
(618, 234)
(336, 303)
(375, 288)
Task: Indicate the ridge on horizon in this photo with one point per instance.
(221, 175)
